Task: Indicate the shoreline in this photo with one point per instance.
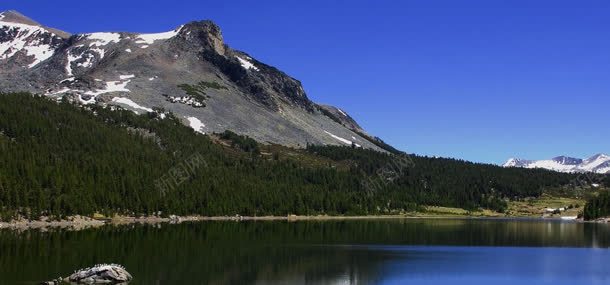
(82, 222)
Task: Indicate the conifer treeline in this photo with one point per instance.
(60, 159)
(598, 207)
(451, 182)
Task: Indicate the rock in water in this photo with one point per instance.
(53, 282)
(101, 274)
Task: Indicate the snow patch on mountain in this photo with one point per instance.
(345, 141)
(102, 39)
(246, 64)
(88, 97)
(27, 40)
(196, 124)
(60, 91)
(342, 113)
(69, 79)
(124, 77)
(40, 53)
(132, 104)
(149, 39)
(71, 58)
(88, 61)
(187, 100)
(111, 86)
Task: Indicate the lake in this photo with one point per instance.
(389, 251)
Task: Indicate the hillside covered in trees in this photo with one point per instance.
(60, 159)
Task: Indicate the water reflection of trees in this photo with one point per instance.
(266, 252)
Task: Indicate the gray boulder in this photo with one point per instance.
(101, 274)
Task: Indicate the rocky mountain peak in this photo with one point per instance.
(565, 160)
(341, 117)
(204, 32)
(599, 156)
(24, 43)
(13, 16)
(515, 162)
(596, 160)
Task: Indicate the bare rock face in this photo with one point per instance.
(342, 117)
(203, 34)
(101, 274)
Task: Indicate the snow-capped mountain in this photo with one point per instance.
(599, 163)
(188, 70)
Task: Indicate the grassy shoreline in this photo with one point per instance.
(81, 222)
(526, 209)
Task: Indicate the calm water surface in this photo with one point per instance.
(330, 252)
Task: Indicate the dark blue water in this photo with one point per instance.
(495, 265)
(490, 252)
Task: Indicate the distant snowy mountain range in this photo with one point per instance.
(599, 163)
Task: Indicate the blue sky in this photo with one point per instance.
(477, 80)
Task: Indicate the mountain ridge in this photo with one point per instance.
(16, 17)
(599, 163)
(189, 71)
